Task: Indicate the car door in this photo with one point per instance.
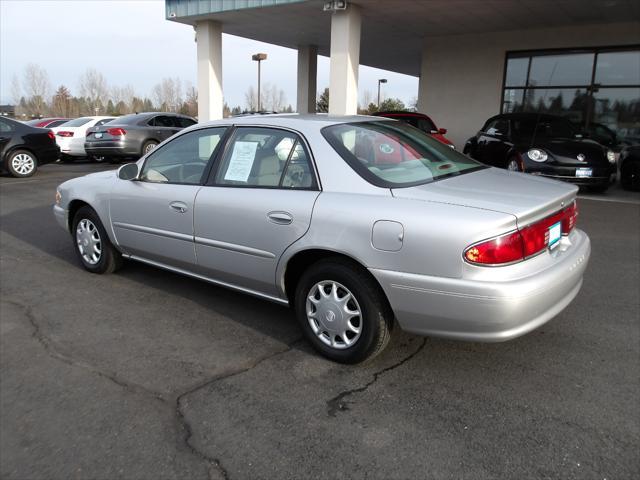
(258, 202)
(6, 134)
(164, 126)
(152, 216)
(493, 143)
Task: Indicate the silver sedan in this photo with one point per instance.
(361, 224)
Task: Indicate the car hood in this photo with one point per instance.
(527, 197)
(566, 151)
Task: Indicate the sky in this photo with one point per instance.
(131, 42)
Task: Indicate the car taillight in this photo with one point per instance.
(523, 243)
(51, 135)
(116, 132)
(65, 134)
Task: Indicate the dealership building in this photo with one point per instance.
(474, 59)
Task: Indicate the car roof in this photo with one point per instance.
(294, 120)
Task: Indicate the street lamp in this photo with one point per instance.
(258, 57)
(381, 80)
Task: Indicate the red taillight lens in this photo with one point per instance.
(65, 134)
(524, 243)
(116, 132)
(500, 250)
(51, 135)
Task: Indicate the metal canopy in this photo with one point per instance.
(393, 31)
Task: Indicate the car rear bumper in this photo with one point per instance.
(48, 155)
(488, 311)
(111, 149)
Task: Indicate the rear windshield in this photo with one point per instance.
(394, 154)
(78, 122)
(543, 127)
(130, 119)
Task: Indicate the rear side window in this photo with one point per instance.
(184, 122)
(266, 158)
(103, 121)
(6, 126)
(163, 121)
(393, 154)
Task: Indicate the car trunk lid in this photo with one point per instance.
(526, 197)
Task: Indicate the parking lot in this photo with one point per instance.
(147, 374)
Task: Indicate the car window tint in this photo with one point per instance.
(184, 159)
(184, 122)
(392, 154)
(5, 126)
(499, 126)
(263, 157)
(426, 125)
(56, 123)
(542, 127)
(78, 122)
(164, 121)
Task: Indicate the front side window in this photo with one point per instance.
(391, 154)
(499, 126)
(184, 159)
(5, 126)
(267, 158)
(528, 127)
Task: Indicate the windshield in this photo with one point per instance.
(543, 127)
(78, 122)
(394, 154)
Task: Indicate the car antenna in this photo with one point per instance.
(544, 98)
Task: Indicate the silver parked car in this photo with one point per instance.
(359, 223)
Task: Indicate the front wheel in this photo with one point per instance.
(95, 250)
(342, 311)
(22, 164)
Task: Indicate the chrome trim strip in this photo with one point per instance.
(209, 280)
(154, 231)
(233, 247)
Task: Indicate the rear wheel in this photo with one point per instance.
(342, 311)
(21, 163)
(92, 243)
(66, 158)
(148, 146)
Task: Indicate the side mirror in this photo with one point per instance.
(128, 171)
(442, 131)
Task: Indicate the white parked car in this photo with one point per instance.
(70, 136)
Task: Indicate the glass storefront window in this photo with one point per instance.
(618, 68)
(513, 100)
(517, 72)
(560, 70)
(566, 102)
(617, 109)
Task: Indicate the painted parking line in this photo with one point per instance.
(596, 198)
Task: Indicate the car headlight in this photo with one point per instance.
(58, 197)
(611, 156)
(537, 155)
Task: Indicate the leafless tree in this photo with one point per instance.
(60, 104)
(93, 86)
(123, 96)
(168, 94)
(16, 91)
(37, 87)
(251, 99)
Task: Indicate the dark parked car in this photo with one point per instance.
(630, 168)
(23, 148)
(132, 136)
(47, 122)
(544, 145)
(420, 121)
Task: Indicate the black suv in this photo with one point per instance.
(545, 145)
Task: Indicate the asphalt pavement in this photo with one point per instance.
(145, 374)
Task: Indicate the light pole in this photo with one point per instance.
(258, 57)
(381, 80)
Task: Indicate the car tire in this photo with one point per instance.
(92, 244)
(21, 163)
(630, 175)
(148, 146)
(66, 158)
(346, 289)
(603, 187)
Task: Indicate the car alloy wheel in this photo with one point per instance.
(88, 241)
(148, 147)
(513, 165)
(23, 164)
(334, 314)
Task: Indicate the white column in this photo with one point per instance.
(345, 58)
(209, 39)
(422, 84)
(307, 75)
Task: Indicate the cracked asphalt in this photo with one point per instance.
(148, 375)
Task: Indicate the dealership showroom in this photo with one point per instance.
(176, 373)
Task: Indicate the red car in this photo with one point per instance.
(47, 122)
(421, 121)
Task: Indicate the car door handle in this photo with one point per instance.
(179, 206)
(281, 218)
